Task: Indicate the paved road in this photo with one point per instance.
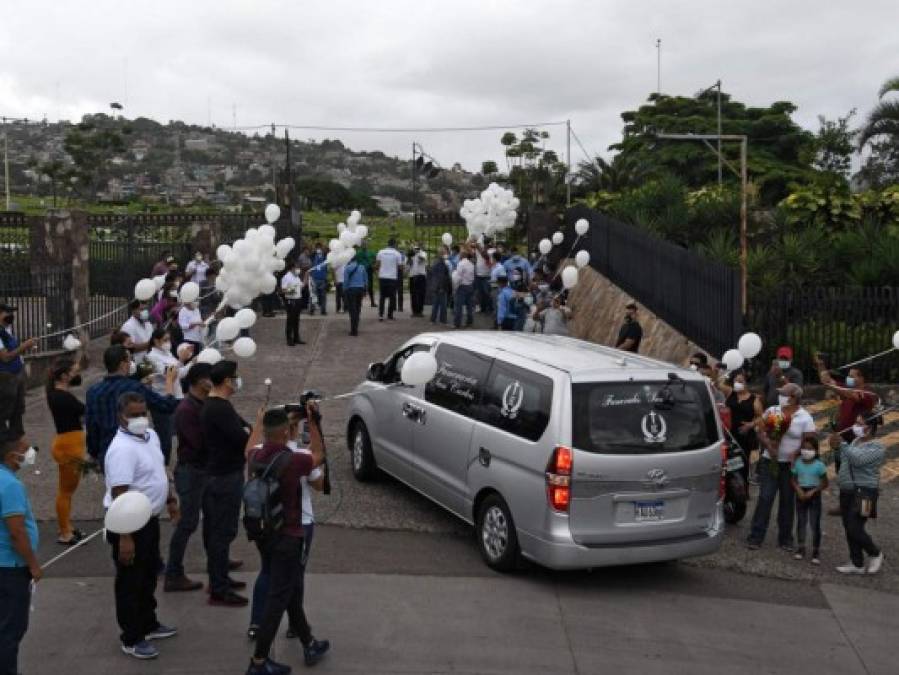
(399, 587)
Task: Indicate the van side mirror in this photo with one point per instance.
(375, 372)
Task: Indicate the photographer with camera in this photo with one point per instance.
(286, 548)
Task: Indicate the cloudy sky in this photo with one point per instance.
(402, 64)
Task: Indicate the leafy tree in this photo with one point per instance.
(57, 172)
(619, 174)
(883, 120)
(92, 145)
(834, 145)
(489, 168)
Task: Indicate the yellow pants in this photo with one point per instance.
(68, 451)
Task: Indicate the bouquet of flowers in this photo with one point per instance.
(776, 423)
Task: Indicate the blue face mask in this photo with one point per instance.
(850, 382)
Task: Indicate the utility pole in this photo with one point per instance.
(414, 196)
(6, 161)
(744, 191)
(720, 177)
(568, 165)
(659, 66)
(274, 174)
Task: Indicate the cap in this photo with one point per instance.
(7, 308)
(791, 389)
(785, 352)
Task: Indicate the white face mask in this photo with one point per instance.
(739, 386)
(145, 315)
(783, 400)
(858, 430)
(132, 368)
(166, 346)
(29, 457)
(138, 425)
(808, 454)
(694, 367)
(238, 384)
(784, 364)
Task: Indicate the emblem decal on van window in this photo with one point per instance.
(654, 428)
(513, 398)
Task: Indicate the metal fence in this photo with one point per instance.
(43, 300)
(846, 324)
(697, 297)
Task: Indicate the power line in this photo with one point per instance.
(400, 130)
(590, 159)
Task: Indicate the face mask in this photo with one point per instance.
(808, 454)
(29, 457)
(132, 368)
(858, 430)
(166, 346)
(298, 271)
(138, 425)
(783, 400)
(75, 381)
(784, 364)
(739, 386)
(238, 384)
(198, 257)
(850, 382)
(543, 287)
(145, 315)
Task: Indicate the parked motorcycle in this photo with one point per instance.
(736, 492)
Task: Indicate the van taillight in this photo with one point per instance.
(725, 451)
(558, 479)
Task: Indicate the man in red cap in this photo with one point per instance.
(782, 372)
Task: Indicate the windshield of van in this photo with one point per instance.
(642, 417)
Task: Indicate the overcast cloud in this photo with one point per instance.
(395, 63)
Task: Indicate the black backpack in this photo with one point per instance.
(263, 511)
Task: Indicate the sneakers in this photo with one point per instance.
(849, 568)
(816, 560)
(875, 563)
(229, 599)
(799, 555)
(315, 651)
(181, 584)
(269, 667)
(161, 633)
(141, 650)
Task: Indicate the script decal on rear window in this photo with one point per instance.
(448, 380)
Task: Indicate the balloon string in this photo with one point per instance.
(66, 552)
(867, 358)
(570, 251)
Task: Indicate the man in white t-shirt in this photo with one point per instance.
(292, 287)
(776, 464)
(196, 269)
(134, 463)
(418, 280)
(482, 274)
(389, 262)
(464, 297)
(139, 329)
(191, 322)
(339, 274)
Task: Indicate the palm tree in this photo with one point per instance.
(619, 174)
(883, 120)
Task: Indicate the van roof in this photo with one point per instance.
(576, 357)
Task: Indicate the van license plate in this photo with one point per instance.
(648, 511)
(735, 464)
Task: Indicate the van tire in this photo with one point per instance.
(497, 537)
(362, 460)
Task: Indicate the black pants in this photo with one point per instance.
(859, 540)
(135, 584)
(15, 601)
(399, 292)
(221, 504)
(808, 516)
(371, 286)
(190, 483)
(339, 296)
(292, 327)
(12, 401)
(387, 291)
(353, 298)
(417, 286)
(285, 593)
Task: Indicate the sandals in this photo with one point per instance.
(77, 535)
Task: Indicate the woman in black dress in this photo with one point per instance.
(745, 410)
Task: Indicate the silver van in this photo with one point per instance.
(570, 454)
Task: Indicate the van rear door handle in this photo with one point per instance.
(484, 456)
(410, 411)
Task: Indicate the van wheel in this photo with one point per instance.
(361, 456)
(497, 538)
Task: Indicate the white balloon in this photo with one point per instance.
(190, 292)
(355, 217)
(71, 343)
(581, 226)
(749, 345)
(269, 283)
(896, 340)
(144, 289)
(277, 265)
(447, 239)
(347, 238)
(268, 231)
(732, 359)
(340, 228)
(336, 244)
(569, 276)
(582, 259)
(362, 231)
(210, 355)
(420, 368)
(285, 246)
(240, 248)
(244, 347)
(128, 513)
(272, 213)
(222, 252)
(558, 238)
(246, 317)
(222, 283)
(251, 234)
(545, 246)
(159, 280)
(227, 329)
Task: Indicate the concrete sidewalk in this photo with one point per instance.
(427, 624)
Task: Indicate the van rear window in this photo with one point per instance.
(636, 418)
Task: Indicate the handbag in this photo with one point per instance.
(864, 498)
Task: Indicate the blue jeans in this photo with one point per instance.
(15, 602)
(162, 425)
(482, 290)
(774, 478)
(221, 504)
(464, 299)
(808, 515)
(321, 294)
(438, 307)
(190, 484)
(263, 579)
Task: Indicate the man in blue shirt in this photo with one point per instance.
(518, 269)
(506, 305)
(12, 376)
(18, 543)
(319, 276)
(355, 281)
(101, 416)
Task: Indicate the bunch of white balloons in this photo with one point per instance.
(748, 347)
(495, 211)
(349, 235)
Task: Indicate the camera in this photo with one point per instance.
(300, 407)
